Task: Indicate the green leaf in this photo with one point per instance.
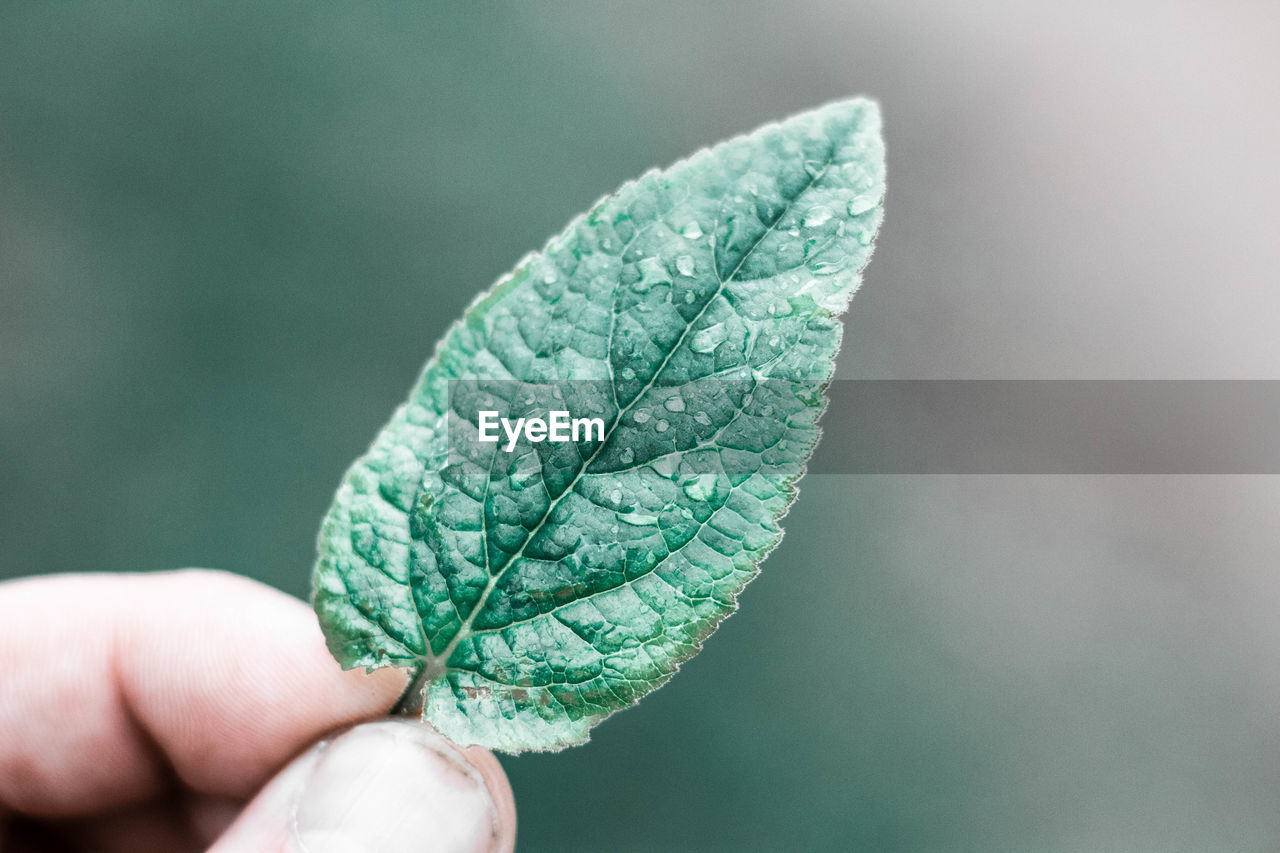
(535, 591)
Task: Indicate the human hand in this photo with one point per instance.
(161, 712)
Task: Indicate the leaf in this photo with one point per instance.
(534, 592)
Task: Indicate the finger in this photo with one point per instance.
(113, 684)
(394, 785)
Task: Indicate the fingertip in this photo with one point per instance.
(391, 785)
(232, 678)
(499, 787)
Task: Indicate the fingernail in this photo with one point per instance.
(394, 786)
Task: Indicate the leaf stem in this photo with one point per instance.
(414, 696)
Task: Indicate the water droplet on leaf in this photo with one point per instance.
(859, 205)
(701, 487)
(706, 340)
(817, 216)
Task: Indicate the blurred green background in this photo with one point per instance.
(231, 233)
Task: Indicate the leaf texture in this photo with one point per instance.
(533, 592)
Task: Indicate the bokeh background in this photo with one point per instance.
(231, 233)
